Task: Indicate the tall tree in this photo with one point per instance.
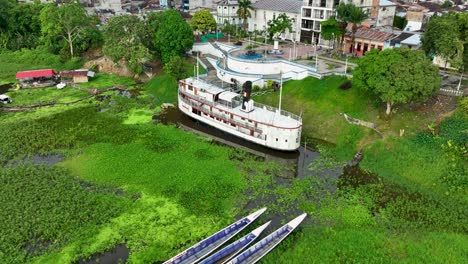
(279, 25)
(342, 14)
(203, 21)
(243, 11)
(349, 13)
(443, 37)
(124, 40)
(446, 36)
(356, 17)
(331, 30)
(19, 24)
(67, 22)
(397, 75)
(174, 36)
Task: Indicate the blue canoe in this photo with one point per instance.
(208, 245)
(230, 251)
(262, 247)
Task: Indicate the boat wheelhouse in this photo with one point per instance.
(239, 115)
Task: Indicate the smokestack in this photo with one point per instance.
(247, 90)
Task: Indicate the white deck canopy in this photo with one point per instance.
(228, 96)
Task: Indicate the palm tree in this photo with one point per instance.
(243, 11)
(349, 13)
(356, 16)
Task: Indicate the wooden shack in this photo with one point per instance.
(76, 76)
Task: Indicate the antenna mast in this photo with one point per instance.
(281, 90)
(197, 66)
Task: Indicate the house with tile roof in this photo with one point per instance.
(367, 39)
(266, 10)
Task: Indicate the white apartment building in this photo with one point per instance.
(266, 10)
(227, 11)
(381, 13)
(313, 12)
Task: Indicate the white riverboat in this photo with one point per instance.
(244, 118)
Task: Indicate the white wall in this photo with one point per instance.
(260, 18)
(385, 16)
(263, 67)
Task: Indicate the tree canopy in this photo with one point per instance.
(397, 75)
(67, 22)
(20, 26)
(123, 37)
(279, 24)
(349, 13)
(203, 21)
(331, 29)
(243, 11)
(174, 36)
(447, 36)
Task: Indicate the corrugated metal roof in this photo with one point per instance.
(74, 73)
(35, 74)
(284, 6)
(372, 34)
(386, 3)
(414, 40)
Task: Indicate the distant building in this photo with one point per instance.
(407, 39)
(266, 10)
(381, 13)
(415, 18)
(314, 12)
(366, 39)
(226, 11)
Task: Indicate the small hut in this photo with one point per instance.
(76, 76)
(36, 78)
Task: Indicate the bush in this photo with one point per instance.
(346, 85)
(454, 128)
(175, 68)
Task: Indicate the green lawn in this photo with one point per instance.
(321, 103)
(105, 80)
(12, 62)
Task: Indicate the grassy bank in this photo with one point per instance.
(24, 60)
(125, 180)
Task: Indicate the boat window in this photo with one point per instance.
(190, 88)
(276, 139)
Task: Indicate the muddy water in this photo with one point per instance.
(295, 162)
(119, 254)
(5, 87)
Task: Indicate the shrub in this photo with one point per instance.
(346, 85)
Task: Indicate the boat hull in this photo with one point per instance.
(188, 110)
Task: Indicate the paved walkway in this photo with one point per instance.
(300, 53)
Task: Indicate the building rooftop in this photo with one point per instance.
(386, 3)
(372, 34)
(228, 3)
(414, 40)
(284, 6)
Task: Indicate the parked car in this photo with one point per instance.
(5, 99)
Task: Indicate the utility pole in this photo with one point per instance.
(316, 58)
(461, 78)
(346, 65)
(281, 90)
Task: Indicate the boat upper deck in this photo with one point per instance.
(261, 113)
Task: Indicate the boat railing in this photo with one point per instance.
(275, 110)
(226, 117)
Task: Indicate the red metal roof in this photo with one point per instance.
(35, 74)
